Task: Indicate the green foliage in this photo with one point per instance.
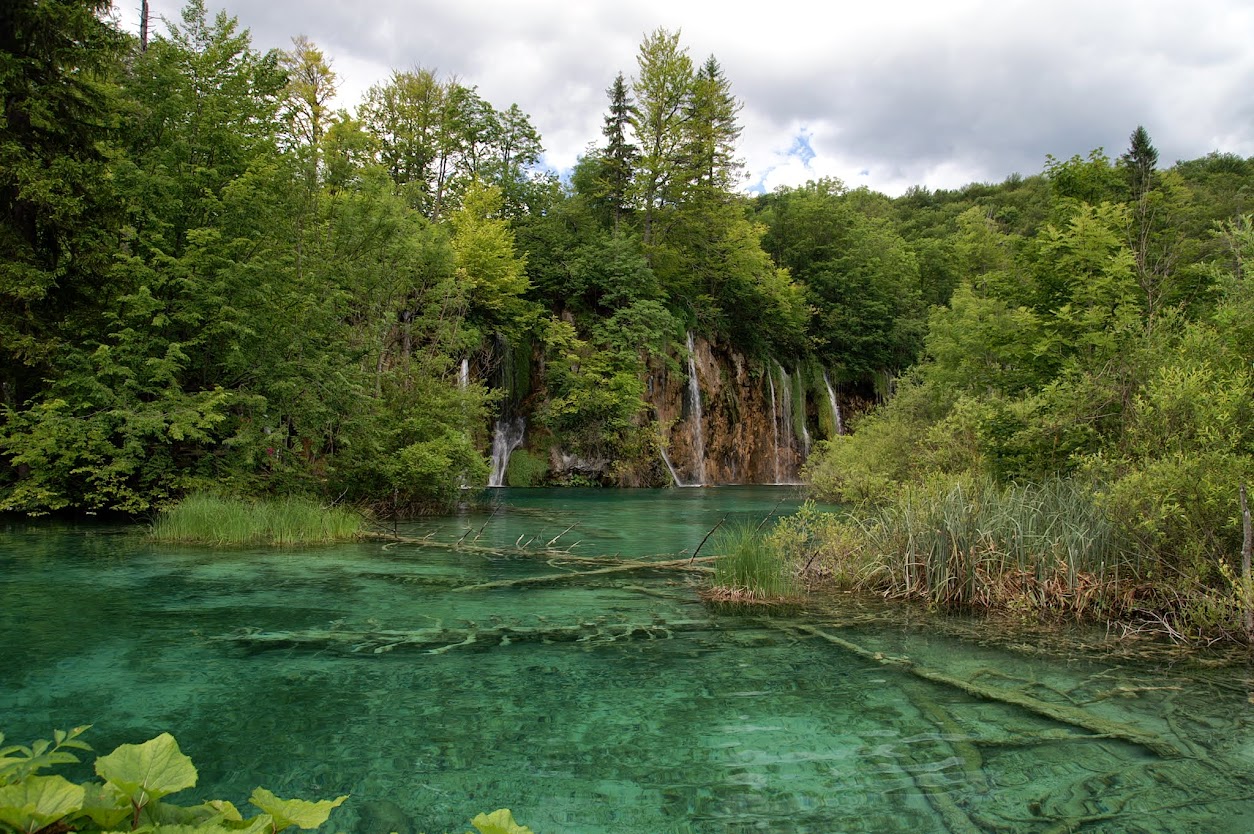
(17, 762)
(526, 469)
(59, 212)
(485, 258)
(135, 778)
(861, 281)
(264, 330)
(231, 522)
(919, 430)
(1076, 367)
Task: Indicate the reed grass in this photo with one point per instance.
(233, 522)
(748, 568)
(964, 542)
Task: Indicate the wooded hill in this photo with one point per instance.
(211, 280)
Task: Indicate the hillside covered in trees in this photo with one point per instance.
(209, 279)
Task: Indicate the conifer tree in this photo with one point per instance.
(619, 158)
(712, 130)
(1140, 160)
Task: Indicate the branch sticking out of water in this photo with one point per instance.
(707, 537)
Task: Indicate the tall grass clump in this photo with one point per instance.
(233, 522)
(749, 569)
(966, 542)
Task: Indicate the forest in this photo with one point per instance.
(210, 280)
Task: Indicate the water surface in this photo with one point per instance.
(721, 724)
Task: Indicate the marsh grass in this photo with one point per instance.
(235, 522)
(966, 542)
(749, 569)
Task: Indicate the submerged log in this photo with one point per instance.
(440, 639)
(1062, 713)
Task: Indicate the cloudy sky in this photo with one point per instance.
(882, 93)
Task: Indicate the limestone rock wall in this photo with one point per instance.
(754, 423)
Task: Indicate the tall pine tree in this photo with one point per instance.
(619, 157)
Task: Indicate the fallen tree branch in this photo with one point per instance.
(519, 550)
(1061, 713)
(676, 564)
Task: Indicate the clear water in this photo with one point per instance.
(736, 725)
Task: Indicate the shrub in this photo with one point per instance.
(526, 469)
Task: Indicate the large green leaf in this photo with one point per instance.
(298, 812)
(39, 801)
(148, 771)
(105, 805)
(499, 822)
(225, 810)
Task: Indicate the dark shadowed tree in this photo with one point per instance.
(1140, 160)
(58, 212)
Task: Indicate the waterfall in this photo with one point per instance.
(786, 406)
(507, 435)
(463, 376)
(805, 428)
(831, 398)
(671, 469)
(770, 377)
(694, 407)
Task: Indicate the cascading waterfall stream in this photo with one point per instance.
(671, 469)
(694, 408)
(785, 384)
(507, 435)
(770, 377)
(463, 375)
(831, 398)
(805, 429)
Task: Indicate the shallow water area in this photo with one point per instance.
(642, 713)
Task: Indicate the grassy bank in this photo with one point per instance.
(234, 522)
(1032, 551)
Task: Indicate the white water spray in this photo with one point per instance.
(507, 435)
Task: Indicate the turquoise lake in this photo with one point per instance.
(697, 722)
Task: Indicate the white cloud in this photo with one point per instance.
(891, 94)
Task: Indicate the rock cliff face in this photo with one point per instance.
(742, 422)
(737, 431)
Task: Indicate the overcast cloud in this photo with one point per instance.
(885, 94)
